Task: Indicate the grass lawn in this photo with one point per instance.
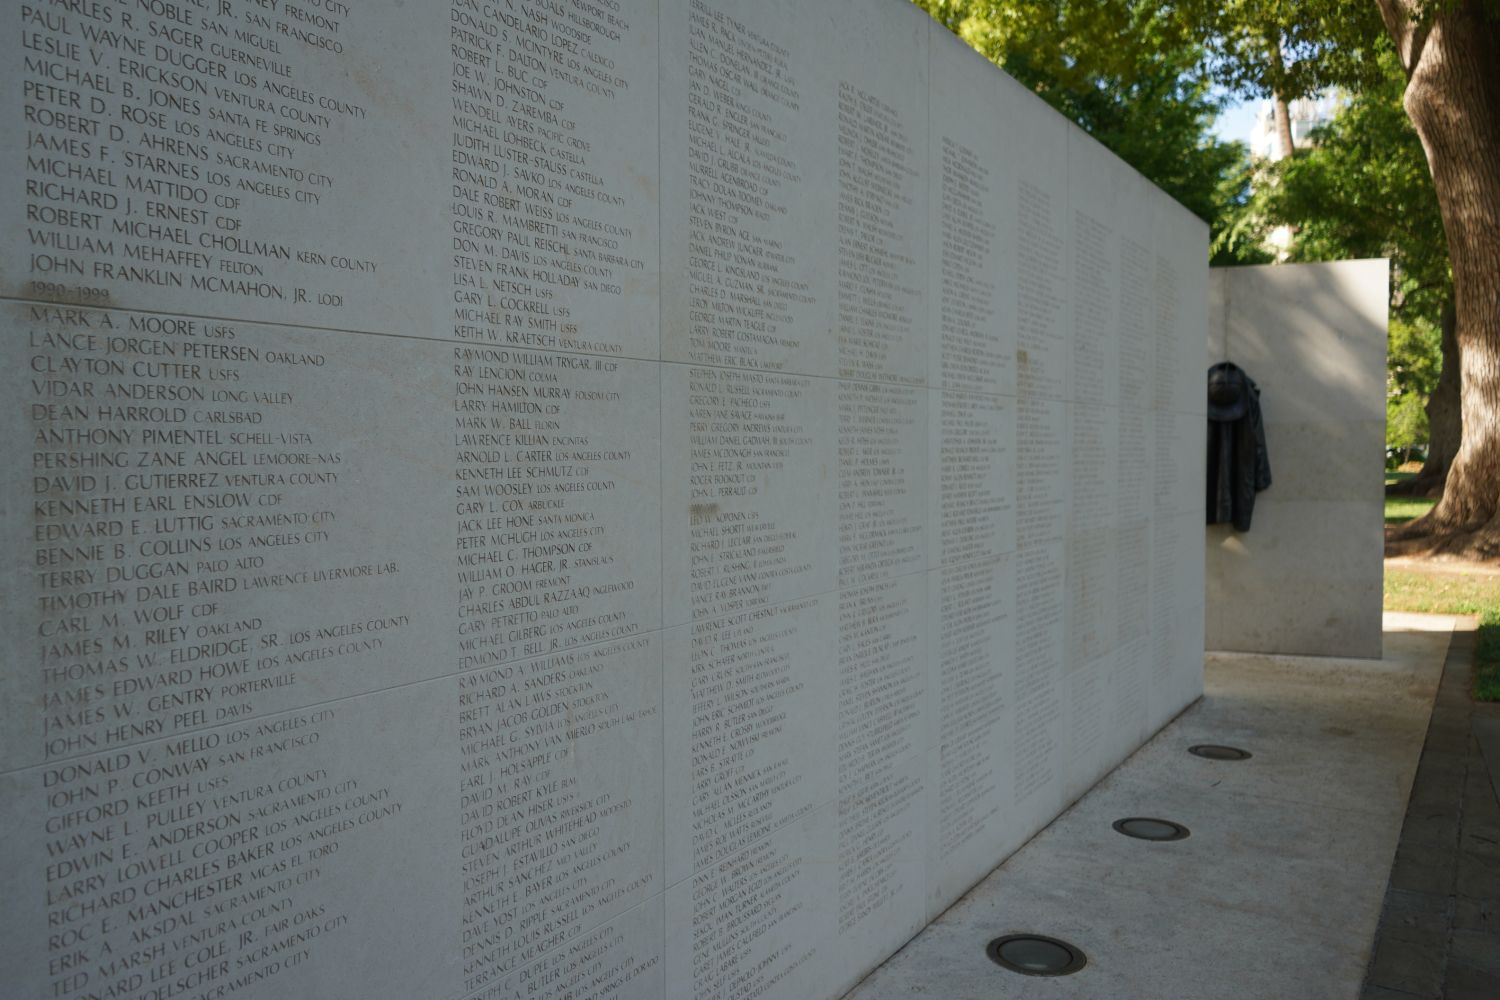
(1487, 659)
(1408, 589)
(1444, 591)
(1456, 593)
(1399, 510)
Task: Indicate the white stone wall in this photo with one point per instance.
(1307, 578)
(577, 499)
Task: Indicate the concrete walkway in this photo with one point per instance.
(1278, 891)
(1439, 936)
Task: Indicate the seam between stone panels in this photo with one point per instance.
(932, 504)
(661, 479)
(781, 372)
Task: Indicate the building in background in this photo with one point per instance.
(1307, 115)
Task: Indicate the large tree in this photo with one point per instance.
(1449, 52)
(1362, 189)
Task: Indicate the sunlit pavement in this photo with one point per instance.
(1279, 889)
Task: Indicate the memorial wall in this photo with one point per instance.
(563, 498)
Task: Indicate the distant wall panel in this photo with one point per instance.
(1307, 578)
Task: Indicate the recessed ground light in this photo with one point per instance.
(1036, 955)
(1147, 828)
(1215, 752)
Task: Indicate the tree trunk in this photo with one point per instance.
(1453, 99)
(1281, 112)
(1444, 426)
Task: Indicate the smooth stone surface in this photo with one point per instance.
(1324, 462)
(1134, 932)
(973, 277)
(1333, 596)
(1272, 867)
(1306, 579)
(1317, 329)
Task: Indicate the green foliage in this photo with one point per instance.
(1399, 510)
(1405, 422)
(1126, 71)
(1241, 227)
(1362, 189)
(1487, 657)
(1414, 357)
(1138, 75)
(1414, 361)
(1295, 48)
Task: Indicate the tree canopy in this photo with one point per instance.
(1361, 189)
(1294, 48)
(1444, 56)
(1139, 77)
(1149, 101)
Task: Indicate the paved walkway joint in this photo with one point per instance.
(1439, 934)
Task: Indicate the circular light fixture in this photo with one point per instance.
(1036, 955)
(1147, 828)
(1213, 751)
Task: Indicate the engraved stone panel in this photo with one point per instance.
(1177, 609)
(249, 856)
(972, 464)
(750, 748)
(558, 765)
(1038, 182)
(226, 522)
(972, 235)
(972, 691)
(1039, 747)
(743, 451)
(759, 922)
(342, 167)
(793, 175)
(1134, 455)
(1181, 305)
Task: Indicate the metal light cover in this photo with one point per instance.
(1150, 828)
(1036, 955)
(1215, 751)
